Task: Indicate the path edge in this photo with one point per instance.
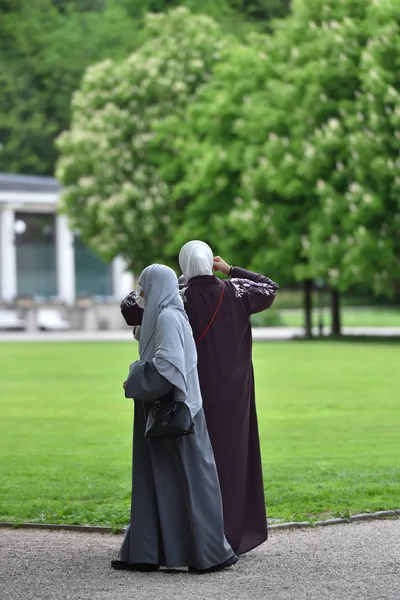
(381, 514)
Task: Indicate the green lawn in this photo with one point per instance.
(351, 317)
(329, 421)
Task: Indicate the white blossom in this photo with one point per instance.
(334, 124)
(368, 199)
(309, 150)
(288, 158)
(355, 187)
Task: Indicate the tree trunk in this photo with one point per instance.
(335, 312)
(308, 288)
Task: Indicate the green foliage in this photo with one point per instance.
(288, 159)
(361, 198)
(263, 156)
(279, 150)
(349, 155)
(314, 74)
(113, 191)
(45, 47)
(268, 318)
(257, 12)
(204, 154)
(43, 53)
(327, 127)
(219, 168)
(242, 144)
(262, 10)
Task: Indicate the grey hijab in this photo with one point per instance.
(166, 337)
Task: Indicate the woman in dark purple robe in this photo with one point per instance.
(226, 376)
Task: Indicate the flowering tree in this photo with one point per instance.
(361, 201)
(113, 191)
(296, 141)
(334, 145)
(249, 144)
(318, 53)
(205, 159)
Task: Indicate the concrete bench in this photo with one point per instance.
(9, 320)
(49, 319)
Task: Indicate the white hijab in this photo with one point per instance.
(166, 337)
(196, 258)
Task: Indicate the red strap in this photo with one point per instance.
(214, 315)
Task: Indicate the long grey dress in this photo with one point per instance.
(176, 509)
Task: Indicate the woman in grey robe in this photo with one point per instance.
(176, 509)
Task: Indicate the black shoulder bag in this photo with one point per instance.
(168, 418)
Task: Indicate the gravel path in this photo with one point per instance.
(360, 561)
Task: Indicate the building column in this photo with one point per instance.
(65, 260)
(8, 255)
(122, 281)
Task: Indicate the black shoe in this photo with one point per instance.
(119, 565)
(225, 565)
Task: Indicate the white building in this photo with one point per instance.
(41, 258)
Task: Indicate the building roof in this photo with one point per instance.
(28, 183)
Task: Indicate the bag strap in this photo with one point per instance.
(214, 315)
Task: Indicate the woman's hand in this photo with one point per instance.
(220, 265)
